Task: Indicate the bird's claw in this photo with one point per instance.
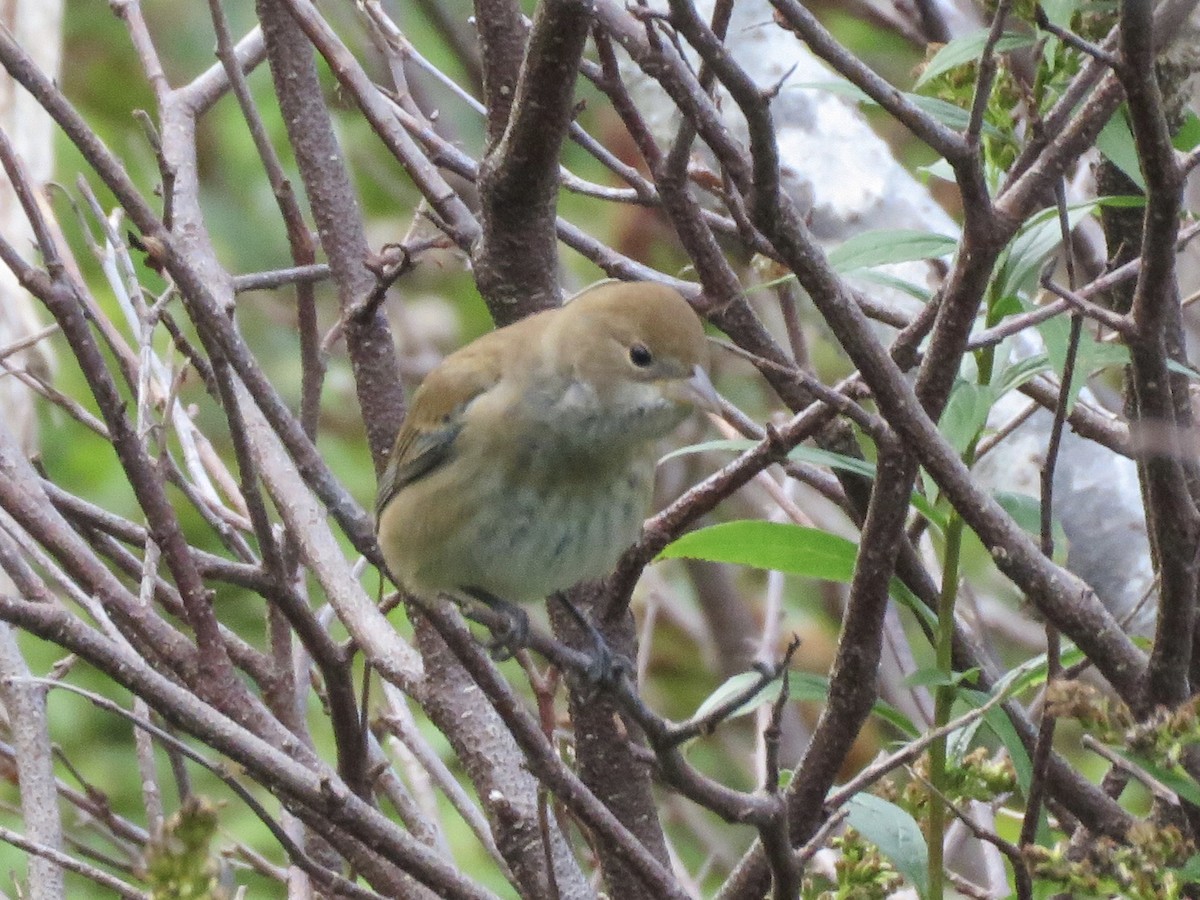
(605, 667)
(515, 634)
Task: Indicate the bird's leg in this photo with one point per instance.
(606, 666)
(516, 631)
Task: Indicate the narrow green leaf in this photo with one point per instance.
(1032, 674)
(1115, 141)
(965, 414)
(895, 833)
(960, 741)
(939, 169)
(1092, 356)
(815, 456)
(841, 88)
(998, 722)
(812, 688)
(894, 717)
(968, 49)
(1176, 779)
(732, 687)
(865, 468)
(839, 461)
(1002, 727)
(808, 687)
(930, 676)
(910, 601)
(1180, 369)
(735, 445)
(1037, 239)
(943, 111)
(1012, 377)
(932, 514)
(877, 248)
(888, 280)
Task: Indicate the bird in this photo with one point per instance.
(525, 463)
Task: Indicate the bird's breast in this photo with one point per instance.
(532, 541)
(525, 533)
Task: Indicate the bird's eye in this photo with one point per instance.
(640, 355)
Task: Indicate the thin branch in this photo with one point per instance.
(25, 706)
(65, 861)
(294, 851)
(986, 75)
(945, 141)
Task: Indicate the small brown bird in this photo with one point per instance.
(526, 462)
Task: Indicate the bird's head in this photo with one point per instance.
(638, 352)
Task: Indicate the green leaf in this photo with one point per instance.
(888, 280)
(893, 717)
(733, 687)
(931, 676)
(965, 414)
(947, 113)
(794, 549)
(1180, 369)
(783, 547)
(939, 169)
(1176, 779)
(944, 112)
(932, 514)
(1038, 238)
(1012, 377)
(1115, 141)
(1188, 136)
(1059, 12)
(838, 461)
(910, 601)
(1190, 870)
(928, 676)
(812, 688)
(968, 49)
(1026, 511)
(818, 457)
(1092, 355)
(841, 88)
(895, 833)
(814, 456)
(877, 248)
(735, 445)
(960, 741)
(1033, 673)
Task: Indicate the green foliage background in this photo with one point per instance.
(102, 78)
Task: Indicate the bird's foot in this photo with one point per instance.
(605, 666)
(507, 640)
(515, 634)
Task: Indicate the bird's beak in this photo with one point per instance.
(699, 390)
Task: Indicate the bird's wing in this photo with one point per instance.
(434, 420)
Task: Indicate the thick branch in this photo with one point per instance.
(516, 263)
